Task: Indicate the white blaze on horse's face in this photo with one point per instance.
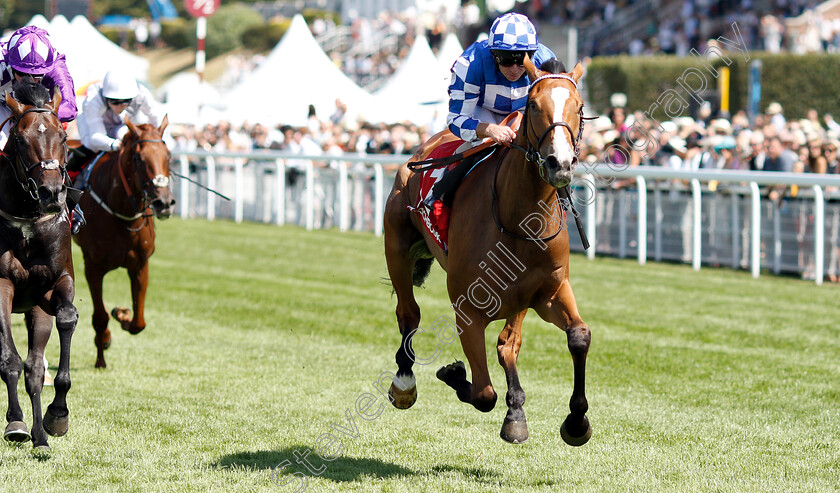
(560, 147)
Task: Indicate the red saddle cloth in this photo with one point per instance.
(436, 220)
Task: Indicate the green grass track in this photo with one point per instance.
(261, 339)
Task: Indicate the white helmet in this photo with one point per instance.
(119, 86)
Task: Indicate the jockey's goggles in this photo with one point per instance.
(511, 58)
(118, 102)
(36, 77)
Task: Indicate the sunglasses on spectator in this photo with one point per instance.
(118, 102)
(20, 74)
(511, 58)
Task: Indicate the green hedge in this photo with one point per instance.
(263, 37)
(798, 82)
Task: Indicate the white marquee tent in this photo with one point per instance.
(418, 87)
(294, 75)
(449, 51)
(186, 100)
(89, 53)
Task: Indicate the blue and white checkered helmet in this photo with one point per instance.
(513, 32)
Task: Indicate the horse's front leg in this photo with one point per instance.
(94, 275)
(38, 326)
(57, 417)
(16, 430)
(515, 427)
(561, 310)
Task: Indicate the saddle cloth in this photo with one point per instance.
(436, 220)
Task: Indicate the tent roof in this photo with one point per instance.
(419, 78)
(449, 51)
(93, 54)
(294, 75)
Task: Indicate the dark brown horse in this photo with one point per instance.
(122, 189)
(36, 264)
(500, 263)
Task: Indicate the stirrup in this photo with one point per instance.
(78, 221)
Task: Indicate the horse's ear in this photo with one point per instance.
(13, 104)
(530, 68)
(56, 100)
(164, 123)
(131, 126)
(577, 72)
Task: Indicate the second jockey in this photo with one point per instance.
(102, 120)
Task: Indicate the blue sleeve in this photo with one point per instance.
(464, 93)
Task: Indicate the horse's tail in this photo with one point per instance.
(422, 259)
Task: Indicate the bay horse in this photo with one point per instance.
(36, 262)
(489, 212)
(122, 188)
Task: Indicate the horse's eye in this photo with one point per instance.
(532, 105)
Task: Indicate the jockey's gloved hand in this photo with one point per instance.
(116, 145)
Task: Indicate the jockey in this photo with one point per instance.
(489, 82)
(29, 52)
(102, 120)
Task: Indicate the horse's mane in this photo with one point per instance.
(553, 66)
(31, 93)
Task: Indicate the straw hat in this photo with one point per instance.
(774, 108)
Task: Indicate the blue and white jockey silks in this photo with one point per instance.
(480, 93)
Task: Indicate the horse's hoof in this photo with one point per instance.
(41, 451)
(514, 431)
(100, 363)
(453, 371)
(56, 426)
(16, 431)
(123, 316)
(403, 398)
(576, 441)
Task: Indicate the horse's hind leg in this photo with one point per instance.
(403, 391)
(139, 277)
(515, 427)
(94, 275)
(479, 392)
(16, 430)
(562, 311)
(57, 417)
(39, 326)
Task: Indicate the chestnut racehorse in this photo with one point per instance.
(36, 264)
(496, 267)
(122, 189)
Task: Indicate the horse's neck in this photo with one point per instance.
(521, 192)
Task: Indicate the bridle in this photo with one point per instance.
(28, 184)
(159, 181)
(532, 153)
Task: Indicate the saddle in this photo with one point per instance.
(442, 170)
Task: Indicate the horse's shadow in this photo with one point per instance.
(340, 469)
